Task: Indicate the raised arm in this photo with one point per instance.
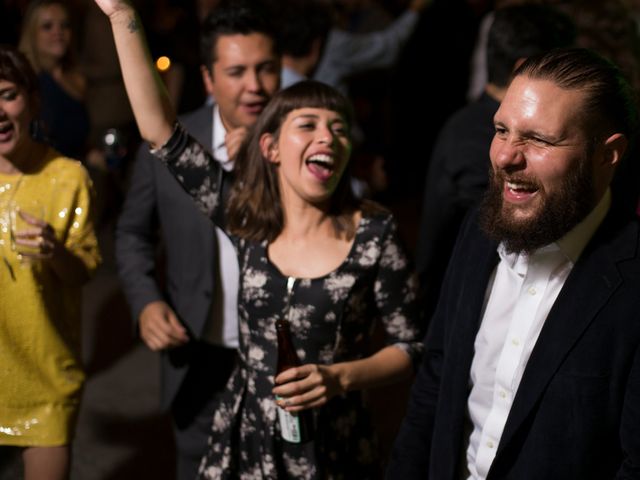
(149, 100)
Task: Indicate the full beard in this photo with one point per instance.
(556, 215)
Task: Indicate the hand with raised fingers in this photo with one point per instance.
(307, 386)
(233, 140)
(110, 7)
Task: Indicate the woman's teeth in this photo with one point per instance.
(322, 160)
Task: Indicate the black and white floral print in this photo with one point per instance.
(331, 317)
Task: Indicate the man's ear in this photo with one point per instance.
(269, 148)
(207, 79)
(614, 148)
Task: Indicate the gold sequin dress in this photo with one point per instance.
(41, 375)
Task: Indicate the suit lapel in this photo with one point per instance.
(477, 260)
(588, 288)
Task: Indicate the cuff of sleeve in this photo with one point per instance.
(174, 143)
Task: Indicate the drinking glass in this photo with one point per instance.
(17, 213)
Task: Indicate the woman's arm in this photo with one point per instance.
(317, 384)
(70, 249)
(149, 100)
(396, 302)
(190, 163)
(41, 237)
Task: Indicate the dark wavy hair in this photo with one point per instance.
(16, 68)
(255, 208)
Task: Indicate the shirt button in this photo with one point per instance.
(490, 444)
(532, 291)
(515, 342)
(502, 394)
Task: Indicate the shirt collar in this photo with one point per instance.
(571, 244)
(219, 147)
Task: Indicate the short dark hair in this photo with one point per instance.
(609, 102)
(234, 17)
(255, 210)
(300, 23)
(520, 31)
(16, 68)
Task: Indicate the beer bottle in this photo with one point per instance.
(294, 427)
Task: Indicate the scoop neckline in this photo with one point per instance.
(342, 264)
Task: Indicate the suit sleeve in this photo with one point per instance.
(136, 237)
(410, 457)
(630, 425)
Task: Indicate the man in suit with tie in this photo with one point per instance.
(192, 317)
(532, 363)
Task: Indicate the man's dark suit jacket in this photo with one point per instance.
(576, 414)
(155, 199)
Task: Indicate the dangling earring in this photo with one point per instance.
(35, 129)
(38, 131)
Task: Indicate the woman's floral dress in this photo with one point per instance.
(332, 318)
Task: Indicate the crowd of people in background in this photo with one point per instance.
(441, 192)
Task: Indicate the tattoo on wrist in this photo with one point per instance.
(133, 25)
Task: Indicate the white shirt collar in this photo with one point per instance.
(219, 147)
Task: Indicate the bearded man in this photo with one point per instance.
(532, 363)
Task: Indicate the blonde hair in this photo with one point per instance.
(27, 43)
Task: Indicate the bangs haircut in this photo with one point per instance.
(255, 208)
(306, 94)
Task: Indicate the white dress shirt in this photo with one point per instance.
(519, 297)
(222, 329)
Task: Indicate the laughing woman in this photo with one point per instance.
(48, 250)
(307, 250)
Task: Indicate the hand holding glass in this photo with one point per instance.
(30, 234)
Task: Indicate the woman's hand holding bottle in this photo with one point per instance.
(308, 386)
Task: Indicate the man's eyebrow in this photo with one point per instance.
(237, 66)
(529, 133)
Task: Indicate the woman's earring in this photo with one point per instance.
(38, 130)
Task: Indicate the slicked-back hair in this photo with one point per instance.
(520, 31)
(255, 208)
(235, 17)
(609, 105)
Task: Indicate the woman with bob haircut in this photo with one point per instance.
(308, 252)
(48, 249)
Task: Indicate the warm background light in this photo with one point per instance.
(163, 63)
